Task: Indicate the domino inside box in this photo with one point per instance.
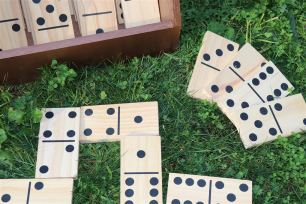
(127, 40)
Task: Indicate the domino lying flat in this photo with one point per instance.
(58, 147)
(214, 54)
(112, 122)
(245, 64)
(36, 191)
(96, 16)
(12, 29)
(192, 189)
(141, 174)
(266, 85)
(262, 123)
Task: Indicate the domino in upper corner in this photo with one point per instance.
(193, 189)
(214, 54)
(262, 123)
(58, 146)
(141, 173)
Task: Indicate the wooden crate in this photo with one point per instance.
(20, 65)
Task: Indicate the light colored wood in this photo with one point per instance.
(209, 191)
(71, 7)
(26, 14)
(51, 28)
(96, 16)
(207, 68)
(97, 122)
(139, 12)
(141, 174)
(291, 118)
(36, 191)
(264, 85)
(58, 146)
(120, 16)
(249, 62)
(12, 29)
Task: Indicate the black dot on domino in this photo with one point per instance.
(43, 169)
(270, 70)
(284, 86)
(244, 116)
(187, 202)
(69, 148)
(255, 81)
(272, 131)
(263, 111)
(244, 187)
(154, 181)
(39, 185)
(231, 197)
(230, 47)
(153, 202)
(199, 202)
(36, 1)
(258, 124)
(88, 112)
(87, 132)
(99, 30)
(154, 192)
(129, 181)
(129, 193)
(16, 27)
(177, 180)
(72, 114)
(229, 89)
(263, 64)
(219, 52)
(244, 104)
(0, 49)
(110, 111)
(253, 137)
(277, 92)
(40, 21)
(206, 57)
(175, 201)
(201, 183)
(262, 76)
(270, 98)
(63, 18)
(71, 133)
(49, 114)
(138, 119)
(189, 182)
(219, 185)
(5, 198)
(278, 107)
(47, 134)
(49, 8)
(122, 16)
(237, 64)
(230, 103)
(304, 121)
(214, 88)
(141, 154)
(129, 202)
(110, 131)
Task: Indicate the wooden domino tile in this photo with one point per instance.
(214, 54)
(36, 191)
(141, 174)
(245, 64)
(266, 85)
(262, 123)
(111, 122)
(12, 28)
(50, 20)
(183, 188)
(58, 146)
(139, 12)
(96, 16)
(120, 15)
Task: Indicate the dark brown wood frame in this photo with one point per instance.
(21, 65)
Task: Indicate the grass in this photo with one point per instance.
(196, 137)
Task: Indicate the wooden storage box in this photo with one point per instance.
(20, 65)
